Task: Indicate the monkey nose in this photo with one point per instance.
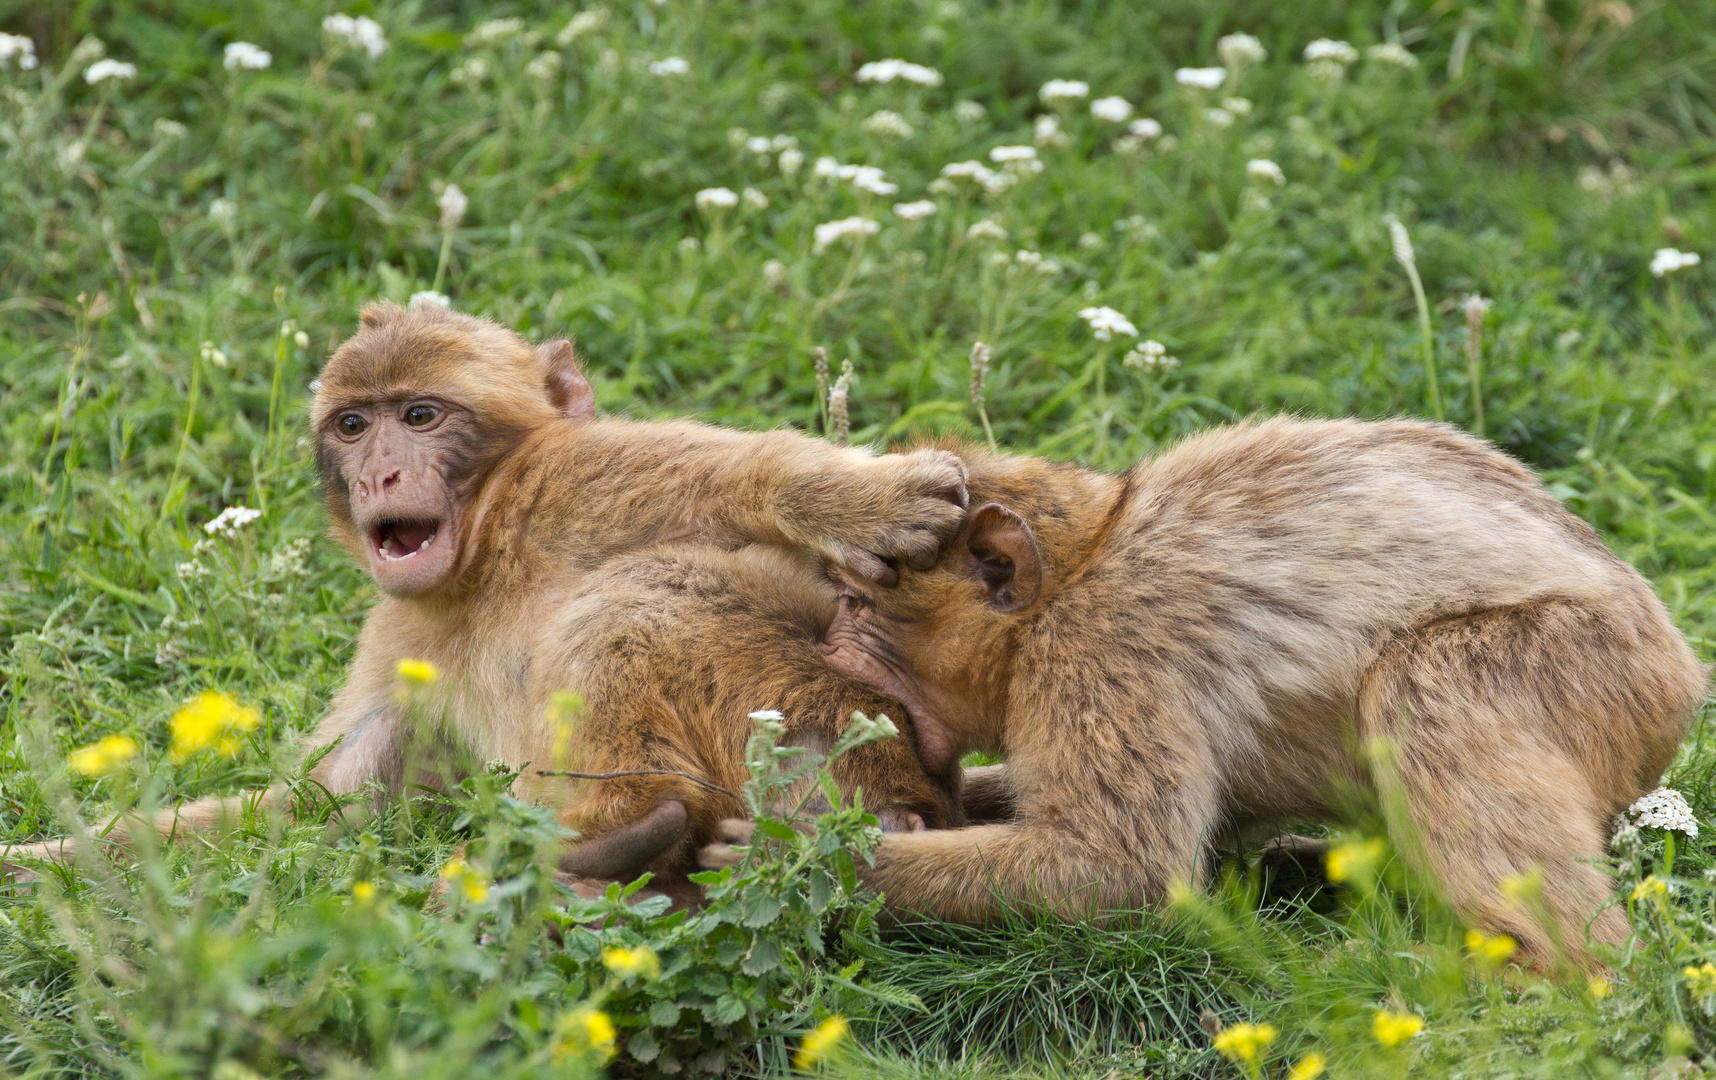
(391, 480)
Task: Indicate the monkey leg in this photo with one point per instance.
(1487, 718)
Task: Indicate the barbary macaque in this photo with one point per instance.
(668, 571)
(1222, 638)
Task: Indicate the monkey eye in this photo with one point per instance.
(419, 415)
(351, 425)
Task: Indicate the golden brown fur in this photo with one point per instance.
(529, 547)
(1204, 644)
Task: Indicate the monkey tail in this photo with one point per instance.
(119, 833)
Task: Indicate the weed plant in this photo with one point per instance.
(703, 192)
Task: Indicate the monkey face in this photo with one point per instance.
(942, 640)
(411, 415)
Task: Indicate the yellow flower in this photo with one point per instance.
(1701, 980)
(418, 672)
(210, 720)
(1310, 1067)
(455, 868)
(1354, 860)
(821, 1043)
(1491, 948)
(1392, 1028)
(627, 963)
(101, 758)
(1523, 888)
(363, 890)
(472, 884)
(1650, 886)
(1244, 1042)
(475, 888)
(1598, 988)
(583, 1031)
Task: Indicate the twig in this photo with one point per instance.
(639, 772)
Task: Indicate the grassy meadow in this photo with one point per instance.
(1368, 208)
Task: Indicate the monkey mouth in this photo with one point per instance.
(400, 538)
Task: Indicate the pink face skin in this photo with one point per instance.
(392, 459)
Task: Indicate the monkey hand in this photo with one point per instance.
(719, 854)
(907, 508)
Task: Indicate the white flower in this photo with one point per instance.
(1001, 155)
(486, 33)
(1035, 261)
(16, 45)
(1150, 356)
(986, 229)
(1105, 322)
(1219, 117)
(1668, 260)
(1664, 808)
(1238, 106)
(863, 177)
(1145, 128)
(883, 71)
(544, 66)
(301, 339)
(471, 73)
(109, 69)
(1390, 52)
(1402, 240)
(212, 354)
(887, 122)
(362, 31)
(1237, 50)
(170, 129)
(1062, 89)
(1113, 109)
(1046, 131)
(223, 211)
(429, 296)
(756, 144)
(755, 199)
(1203, 78)
(1327, 49)
(830, 231)
(453, 203)
(775, 273)
(233, 517)
(1264, 169)
(716, 198)
(1090, 241)
(242, 54)
(581, 24)
(689, 245)
(969, 112)
(672, 65)
(912, 211)
(790, 160)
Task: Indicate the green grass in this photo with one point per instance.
(1538, 154)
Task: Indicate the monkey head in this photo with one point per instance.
(410, 415)
(942, 640)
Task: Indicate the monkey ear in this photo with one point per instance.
(1004, 556)
(568, 390)
(379, 312)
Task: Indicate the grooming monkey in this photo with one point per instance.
(1203, 646)
(670, 571)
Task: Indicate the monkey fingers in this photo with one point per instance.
(625, 852)
(734, 833)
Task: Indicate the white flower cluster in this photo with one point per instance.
(1220, 118)
(1046, 131)
(1150, 355)
(453, 204)
(990, 180)
(1063, 90)
(1105, 322)
(1209, 78)
(863, 177)
(887, 122)
(582, 23)
(361, 31)
(487, 33)
(785, 147)
(1026, 259)
(290, 560)
(1391, 52)
(1668, 260)
(670, 66)
(1145, 128)
(231, 519)
(884, 71)
(1237, 50)
(1402, 241)
(102, 70)
(1664, 808)
(1264, 169)
(544, 66)
(830, 231)
(19, 47)
(1328, 49)
(716, 198)
(986, 229)
(429, 296)
(470, 73)
(1115, 110)
(914, 211)
(242, 54)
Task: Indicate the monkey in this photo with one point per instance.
(1225, 636)
(669, 570)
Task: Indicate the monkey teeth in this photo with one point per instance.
(397, 540)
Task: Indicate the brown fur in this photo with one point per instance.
(611, 557)
(1203, 645)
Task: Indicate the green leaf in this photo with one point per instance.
(758, 910)
(821, 889)
(764, 957)
(437, 40)
(644, 1046)
(729, 1009)
(776, 830)
(665, 1014)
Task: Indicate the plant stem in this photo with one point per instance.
(446, 254)
(1429, 342)
(190, 417)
